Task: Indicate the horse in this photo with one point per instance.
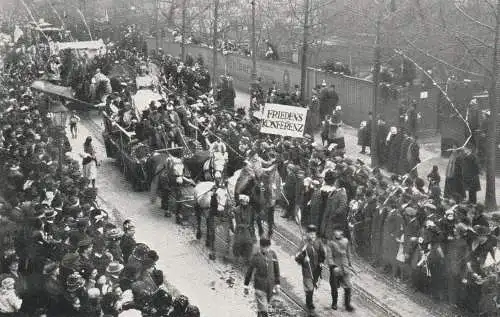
(206, 167)
(166, 175)
(214, 203)
(263, 186)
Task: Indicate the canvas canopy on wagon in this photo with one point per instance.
(60, 91)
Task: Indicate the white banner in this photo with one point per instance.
(283, 120)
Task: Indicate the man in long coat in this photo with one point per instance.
(266, 278)
(310, 257)
(335, 213)
(381, 136)
(471, 172)
(454, 183)
(324, 102)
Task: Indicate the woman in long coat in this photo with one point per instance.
(393, 146)
(454, 184)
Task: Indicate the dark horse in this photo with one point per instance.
(263, 186)
(167, 175)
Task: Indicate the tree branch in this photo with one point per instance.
(492, 7)
(472, 19)
(478, 62)
(443, 91)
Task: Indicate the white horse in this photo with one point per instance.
(215, 204)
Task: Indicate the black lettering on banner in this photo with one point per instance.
(283, 125)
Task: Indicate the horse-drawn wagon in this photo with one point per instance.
(130, 154)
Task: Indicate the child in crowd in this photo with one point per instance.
(73, 124)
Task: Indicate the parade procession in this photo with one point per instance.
(145, 172)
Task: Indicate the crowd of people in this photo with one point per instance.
(61, 254)
(436, 241)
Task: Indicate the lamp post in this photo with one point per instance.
(59, 115)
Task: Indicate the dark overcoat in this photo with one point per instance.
(335, 213)
(471, 171)
(393, 151)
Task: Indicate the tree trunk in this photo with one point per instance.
(490, 198)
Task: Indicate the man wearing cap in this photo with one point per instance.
(339, 260)
(311, 257)
(266, 278)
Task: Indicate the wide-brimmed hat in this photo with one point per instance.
(71, 261)
(244, 198)
(114, 268)
(8, 282)
(481, 230)
(140, 251)
(410, 211)
(74, 282)
(50, 213)
(85, 242)
(114, 233)
(430, 206)
(49, 268)
(312, 228)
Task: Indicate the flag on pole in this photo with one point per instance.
(17, 33)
